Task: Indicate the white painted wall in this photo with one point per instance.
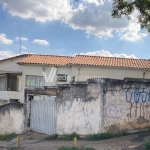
(11, 64)
(7, 95)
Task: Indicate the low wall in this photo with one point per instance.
(12, 118)
(127, 105)
(105, 106)
(79, 109)
(3, 102)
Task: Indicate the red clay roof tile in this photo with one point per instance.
(86, 60)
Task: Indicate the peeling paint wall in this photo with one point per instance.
(79, 109)
(109, 106)
(12, 118)
(127, 106)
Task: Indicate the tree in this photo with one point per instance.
(127, 7)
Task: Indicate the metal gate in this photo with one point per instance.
(43, 116)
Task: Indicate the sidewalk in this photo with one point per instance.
(35, 141)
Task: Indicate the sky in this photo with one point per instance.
(69, 27)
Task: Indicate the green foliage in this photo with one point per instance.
(95, 137)
(67, 148)
(88, 148)
(51, 137)
(74, 148)
(70, 136)
(127, 7)
(147, 145)
(7, 137)
(103, 136)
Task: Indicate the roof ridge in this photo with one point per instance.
(111, 57)
(52, 55)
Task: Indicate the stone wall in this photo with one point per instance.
(12, 118)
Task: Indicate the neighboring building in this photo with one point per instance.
(10, 80)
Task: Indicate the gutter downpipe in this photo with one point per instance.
(145, 72)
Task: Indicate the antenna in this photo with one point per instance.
(19, 42)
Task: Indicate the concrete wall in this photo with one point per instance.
(11, 64)
(12, 118)
(127, 105)
(3, 83)
(79, 109)
(107, 72)
(106, 106)
(7, 95)
(3, 102)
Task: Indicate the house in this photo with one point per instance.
(40, 72)
(80, 68)
(64, 94)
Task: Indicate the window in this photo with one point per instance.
(34, 82)
(62, 77)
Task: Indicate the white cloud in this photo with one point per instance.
(22, 38)
(133, 32)
(6, 54)
(108, 54)
(92, 16)
(40, 42)
(4, 40)
(41, 11)
(23, 47)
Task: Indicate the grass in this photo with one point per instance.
(67, 148)
(103, 136)
(68, 137)
(91, 137)
(74, 148)
(51, 137)
(147, 144)
(7, 137)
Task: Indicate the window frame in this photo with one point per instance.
(36, 82)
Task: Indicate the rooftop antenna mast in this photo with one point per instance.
(19, 42)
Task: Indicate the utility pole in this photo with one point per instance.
(19, 42)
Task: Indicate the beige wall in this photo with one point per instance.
(84, 72)
(114, 73)
(37, 70)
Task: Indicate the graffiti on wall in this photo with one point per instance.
(134, 109)
(139, 102)
(138, 95)
(115, 111)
